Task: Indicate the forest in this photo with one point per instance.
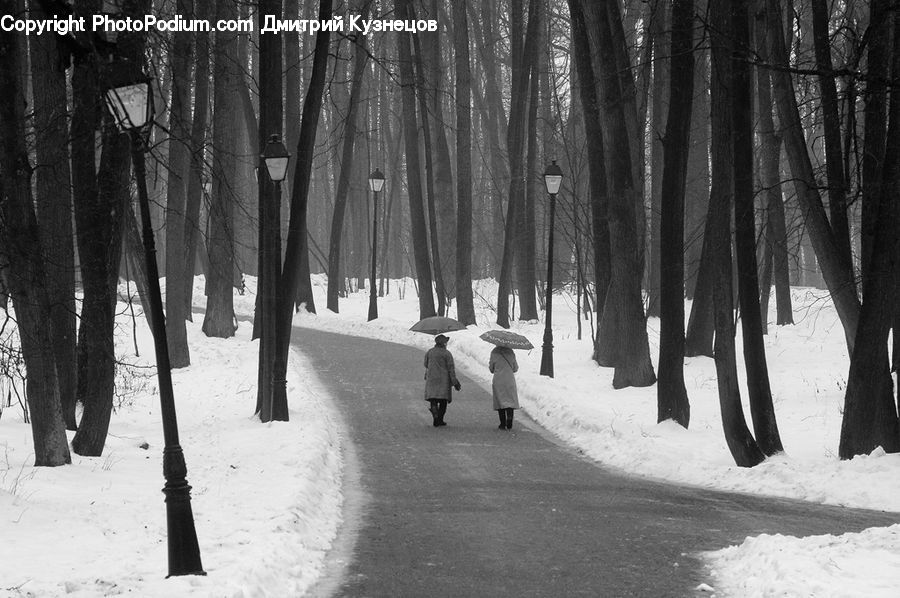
(712, 151)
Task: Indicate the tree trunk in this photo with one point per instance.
(662, 57)
(176, 190)
(762, 410)
(837, 271)
(413, 170)
(870, 414)
(743, 447)
(672, 399)
(831, 123)
(434, 238)
(878, 40)
(269, 204)
(465, 309)
(219, 318)
(623, 331)
(54, 207)
(20, 242)
(297, 230)
(515, 142)
(100, 251)
(770, 177)
(195, 190)
(360, 57)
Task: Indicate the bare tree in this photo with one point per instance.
(20, 242)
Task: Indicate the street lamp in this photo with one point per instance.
(552, 180)
(130, 100)
(276, 158)
(376, 182)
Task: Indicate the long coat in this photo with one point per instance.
(440, 374)
(503, 365)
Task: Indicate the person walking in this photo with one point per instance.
(506, 398)
(440, 379)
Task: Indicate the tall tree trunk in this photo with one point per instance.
(176, 191)
(54, 206)
(672, 399)
(587, 93)
(20, 242)
(770, 177)
(413, 170)
(430, 201)
(465, 309)
(743, 446)
(269, 204)
(195, 188)
(878, 40)
(662, 57)
(831, 123)
(445, 209)
(297, 230)
(623, 331)
(837, 271)
(100, 208)
(360, 56)
(762, 410)
(870, 414)
(219, 318)
(515, 142)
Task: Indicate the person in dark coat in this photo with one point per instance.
(506, 397)
(440, 379)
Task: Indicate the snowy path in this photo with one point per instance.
(470, 510)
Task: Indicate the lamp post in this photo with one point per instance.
(272, 380)
(130, 100)
(552, 179)
(376, 182)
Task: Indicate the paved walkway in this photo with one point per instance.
(471, 510)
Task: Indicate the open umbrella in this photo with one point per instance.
(437, 325)
(505, 338)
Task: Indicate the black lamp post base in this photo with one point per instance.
(547, 355)
(184, 550)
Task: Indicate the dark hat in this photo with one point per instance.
(441, 339)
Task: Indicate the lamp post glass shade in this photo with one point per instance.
(276, 159)
(131, 105)
(553, 178)
(376, 181)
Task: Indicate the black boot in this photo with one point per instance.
(502, 414)
(442, 409)
(434, 412)
(509, 418)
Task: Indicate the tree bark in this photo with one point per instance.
(54, 207)
(623, 331)
(743, 447)
(20, 242)
(297, 230)
(770, 177)
(870, 414)
(465, 308)
(413, 170)
(672, 399)
(837, 271)
(195, 190)
(176, 191)
(219, 318)
(515, 143)
(360, 57)
(762, 410)
(587, 93)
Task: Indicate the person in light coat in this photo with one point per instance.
(440, 379)
(506, 398)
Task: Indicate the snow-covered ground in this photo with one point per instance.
(97, 528)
